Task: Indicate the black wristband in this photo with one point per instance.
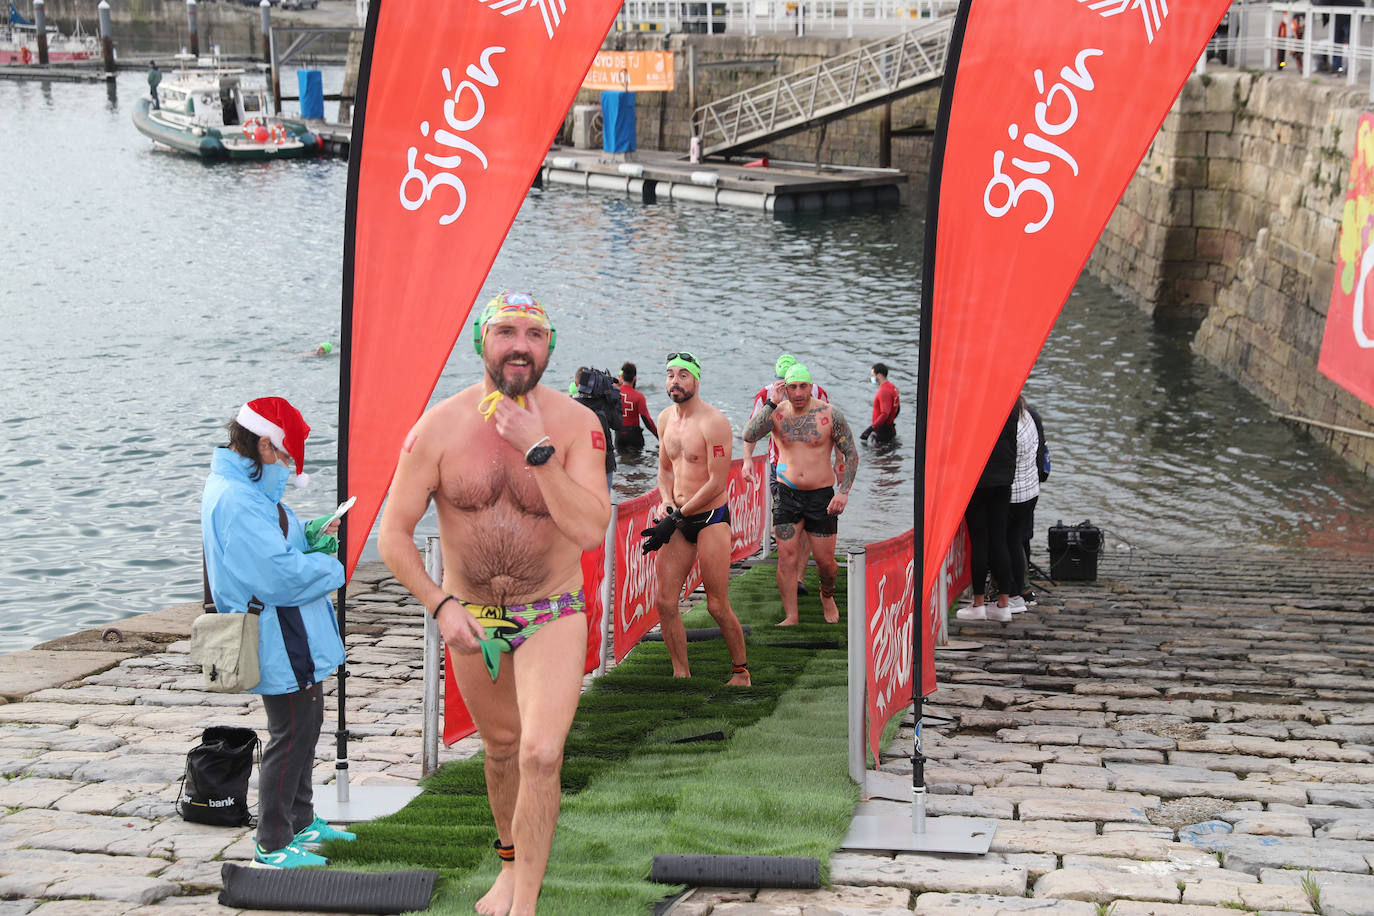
(770, 405)
(435, 612)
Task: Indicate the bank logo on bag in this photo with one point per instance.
(214, 789)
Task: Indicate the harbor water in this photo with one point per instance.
(144, 296)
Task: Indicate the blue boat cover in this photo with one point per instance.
(312, 93)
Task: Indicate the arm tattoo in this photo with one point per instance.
(844, 441)
(760, 425)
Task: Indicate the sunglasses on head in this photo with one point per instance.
(687, 356)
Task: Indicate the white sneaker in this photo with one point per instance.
(1017, 605)
(972, 612)
(998, 613)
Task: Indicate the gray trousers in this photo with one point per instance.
(284, 787)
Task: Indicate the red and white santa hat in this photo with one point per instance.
(276, 419)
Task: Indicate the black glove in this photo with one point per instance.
(661, 533)
(866, 433)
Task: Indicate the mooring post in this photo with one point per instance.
(858, 665)
(106, 38)
(193, 27)
(265, 8)
(40, 25)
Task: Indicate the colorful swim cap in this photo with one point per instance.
(797, 373)
(327, 347)
(509, 305)
(785, 362)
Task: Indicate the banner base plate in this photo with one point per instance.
(972, 835)
(365, 803)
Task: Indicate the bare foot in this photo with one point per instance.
(740, 680)
(788, 622)
(682, 674)
(497, 901)
(832, 613)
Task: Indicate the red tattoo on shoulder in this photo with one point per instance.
(825, 419)
(718, 451)
(599, 440)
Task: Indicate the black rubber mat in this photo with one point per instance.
(322, 890)
(736, 871)
(699, 635)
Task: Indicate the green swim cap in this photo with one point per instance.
(677, 362)
(785, 362)
(327, 347)
(572, 388)
(797, 373)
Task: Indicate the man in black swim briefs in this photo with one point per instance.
(806, 431)
(516, 472)
(693, 521)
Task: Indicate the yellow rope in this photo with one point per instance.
(487, 406)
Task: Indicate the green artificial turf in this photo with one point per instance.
(655, 764)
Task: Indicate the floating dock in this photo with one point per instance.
(777, 188)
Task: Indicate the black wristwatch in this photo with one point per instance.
(539, 453)
(769, 403)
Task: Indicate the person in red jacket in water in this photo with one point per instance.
(633, 408)
(887, 403)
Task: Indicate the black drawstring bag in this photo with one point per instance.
(214, 789)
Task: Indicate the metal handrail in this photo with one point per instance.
(876, 72)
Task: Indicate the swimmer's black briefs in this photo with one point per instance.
(806, 506)
(692, 524)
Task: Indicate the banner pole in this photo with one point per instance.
(433, 653)
(858, 666)
(607, 593)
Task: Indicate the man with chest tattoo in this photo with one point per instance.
(516, 473)
(806, 431)
(693, 521)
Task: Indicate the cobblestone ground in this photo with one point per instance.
(1186, 736)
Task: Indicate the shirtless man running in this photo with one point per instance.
(806, 430)
(517, 476)
(693, 521)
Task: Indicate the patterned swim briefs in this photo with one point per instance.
(516, 623)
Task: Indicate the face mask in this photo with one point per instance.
(872, 380)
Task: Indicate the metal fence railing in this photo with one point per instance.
(800, 17)
(879, 70)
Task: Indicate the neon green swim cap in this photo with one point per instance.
(327, 347)
(680, 361)
(572, 388)
(797, 373)
(785, 362)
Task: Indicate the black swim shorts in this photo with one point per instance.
(692, 524)
(806, 506)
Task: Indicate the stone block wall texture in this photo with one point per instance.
(1233, 219)
(663, 119)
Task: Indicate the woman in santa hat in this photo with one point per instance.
(259, 557)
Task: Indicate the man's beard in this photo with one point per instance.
(517, 387)
(679, 395)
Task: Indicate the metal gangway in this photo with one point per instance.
(878, 72)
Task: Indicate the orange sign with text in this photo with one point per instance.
(631, 71)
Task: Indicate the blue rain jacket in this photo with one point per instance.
(246, 556)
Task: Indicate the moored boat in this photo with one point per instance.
(212, 114)
(19, 42)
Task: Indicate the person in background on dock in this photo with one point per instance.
(780, 367)
(887, 403)
(516, 473)
(807, 430)
(1032, 469)
(154, 80)
(260, 559)
(986, 517)
(693, 521)
(633, 409)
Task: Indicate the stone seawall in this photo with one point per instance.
(1232, 220)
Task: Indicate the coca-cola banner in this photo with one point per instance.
(458, 721)
(636, 572)
(1047, 108)
(889, 580)
(1347, 355)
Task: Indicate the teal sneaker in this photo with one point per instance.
(318, 832)
(287, 857)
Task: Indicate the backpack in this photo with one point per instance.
(214, 788)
